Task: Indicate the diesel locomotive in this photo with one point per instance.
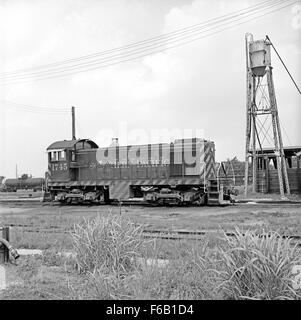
(181, 172)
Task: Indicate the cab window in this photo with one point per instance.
(54, 156)
(62, 155)
(73, 156)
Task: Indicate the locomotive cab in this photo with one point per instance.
(63, 165)
(62, 158)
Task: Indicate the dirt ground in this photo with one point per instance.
(286, 217)
(36, 225)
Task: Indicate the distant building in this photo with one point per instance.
(267, 176)
(233, 170)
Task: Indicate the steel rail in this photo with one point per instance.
(154, 233)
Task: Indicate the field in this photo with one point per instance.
(56, 274)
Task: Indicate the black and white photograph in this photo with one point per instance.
(150, 153)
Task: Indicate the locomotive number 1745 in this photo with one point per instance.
(59, 166)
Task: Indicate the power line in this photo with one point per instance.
(39, 112)
(100, 64)
(33, 106)
(121, 55)
(164, 36)
(35, 109)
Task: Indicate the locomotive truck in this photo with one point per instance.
(180, 173)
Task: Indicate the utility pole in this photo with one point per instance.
(248, 110)
(258, 61)
(73, 123)
(16, 171)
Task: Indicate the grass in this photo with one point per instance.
(284, 217)
(248, 266)
(186, 276)
(118, 263)
(258, 266)
(40, 278)
(108, 244)
(114, 261)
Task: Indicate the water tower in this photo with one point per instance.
(260, 57)
(261, 102)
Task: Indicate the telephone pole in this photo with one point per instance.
(73, 122)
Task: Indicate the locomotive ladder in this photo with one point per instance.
(214, 194)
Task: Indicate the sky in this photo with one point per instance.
(199, 87)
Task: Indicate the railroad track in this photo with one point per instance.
(179, 234)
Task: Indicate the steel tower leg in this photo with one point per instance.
(248, 130)
(254, 155)
(275, 131)
(275, 109)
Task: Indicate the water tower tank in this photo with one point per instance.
(260, 57)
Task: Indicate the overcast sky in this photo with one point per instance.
(199, 86)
